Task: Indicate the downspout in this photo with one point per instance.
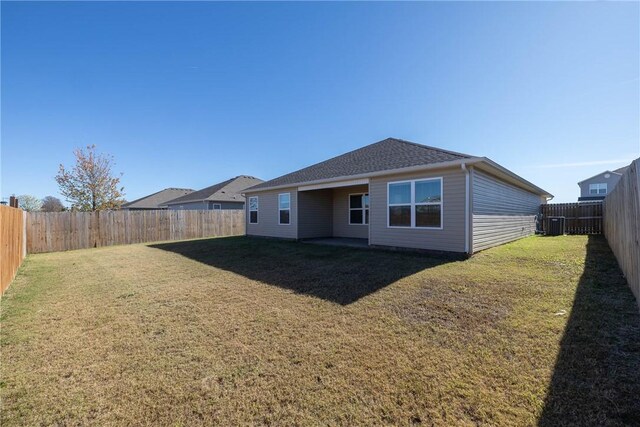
(466, 207)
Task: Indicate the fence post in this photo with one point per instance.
(24, 234)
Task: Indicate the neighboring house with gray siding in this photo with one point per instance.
(156, 200)
(598, 186)
(396, 193)
(223, 195)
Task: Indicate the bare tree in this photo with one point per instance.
(90, 185)
(52, 204)
(29, 203)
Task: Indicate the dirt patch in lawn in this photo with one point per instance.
(441, 305)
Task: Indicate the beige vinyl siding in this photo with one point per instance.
(315, 214)
(452, 235)
(341, 226)
(502, 212)
(494, 230)
(268, 215)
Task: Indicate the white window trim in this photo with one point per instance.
(219, 206)
(363, 209)
(598, 186)
(287, 223)
(413, 204)
(256, 210)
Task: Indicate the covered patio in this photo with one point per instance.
(336, 214)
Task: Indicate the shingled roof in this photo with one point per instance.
(226, 191)
(156, 200)
(388, 154)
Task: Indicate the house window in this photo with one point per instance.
(596, 189)
(359, 209)
(284, 208)
(217, 206)
(253, 210)
(415, 204)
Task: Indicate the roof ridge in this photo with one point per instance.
(430, 147)
(379, 142)
(387, 154)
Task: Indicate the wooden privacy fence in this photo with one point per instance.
(62, 231)
(580, 218)
(622, 225)
(12, 243)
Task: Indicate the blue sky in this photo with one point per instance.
(190, 94)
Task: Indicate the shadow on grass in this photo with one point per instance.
(338, 274)
(596, 380)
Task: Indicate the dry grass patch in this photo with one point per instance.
(242, 331)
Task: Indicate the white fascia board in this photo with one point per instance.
(349, 183)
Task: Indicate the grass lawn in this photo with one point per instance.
(242, 331)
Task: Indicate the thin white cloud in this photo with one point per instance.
(581, 164)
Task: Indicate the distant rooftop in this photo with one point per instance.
(226, 191)
(155, 200)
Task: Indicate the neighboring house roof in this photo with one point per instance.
(156, 200)
(226, 191)
(386, 156)
(616, 172)
(621, 170)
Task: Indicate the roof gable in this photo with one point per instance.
(388, 154)
(226, 191)
(615, 172)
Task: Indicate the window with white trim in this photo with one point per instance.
(596, 189)
(415, 204)
(253, 210)
(359, 209)
(217, 206)
(284, 208)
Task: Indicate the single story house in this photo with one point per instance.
(396, 193)
(156, 200)
(224, 195)
(598, 186)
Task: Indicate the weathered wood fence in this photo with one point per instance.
(62, 231)
(580, 218)
(12, 243)
(622, 225)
